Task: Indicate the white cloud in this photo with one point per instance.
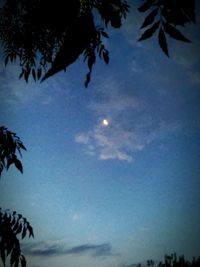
(116, 142)
(82, 138)
(76, 216)
(47, 101)
(130, 127)
(135, 67)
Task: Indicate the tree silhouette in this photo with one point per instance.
(46, 39)
(12, 224)
(174, 261)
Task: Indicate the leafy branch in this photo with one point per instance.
(43, 48)
(12, 225)
(163, 17)
(96, 47)
(10, 144)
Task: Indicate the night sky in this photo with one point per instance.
(111, 173)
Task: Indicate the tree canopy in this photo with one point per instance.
(46, 38)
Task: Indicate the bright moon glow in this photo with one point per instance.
(105, 122)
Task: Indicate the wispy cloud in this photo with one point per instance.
(45, 249)
(15, 91)
(188, 57)
(94, 250)
(76, 216)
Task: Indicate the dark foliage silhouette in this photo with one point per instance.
(10, 144)
(174, 261)
(163, 17)
(12, 225)
(46, 39)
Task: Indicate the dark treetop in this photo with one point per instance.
(46, 38)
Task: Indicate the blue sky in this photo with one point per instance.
(111, 195)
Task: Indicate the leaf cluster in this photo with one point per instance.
(163, 17)
(10, 145)
(112, 11)
(13, 225)
(96, 47)
(47, 38)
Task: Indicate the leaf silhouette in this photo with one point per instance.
(163, 42)
(18, 165)
(150, 18)
(34, 74)
(3, 256)
(30, 229)
(39, 73)
(19, 229)
(150, 31)
(106, 57)
(87, 80)
(21, 145)
(9, 243)
(91, 60)
(23, 261)
(174, 33)
(21, 74)
(10, 161)
(105, 34)
(77, 38)
(15, 254)
(24, 232)
(6, 60)
(175, 16)
(14, 229)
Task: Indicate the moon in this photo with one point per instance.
(105, 122)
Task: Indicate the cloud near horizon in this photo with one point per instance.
(45, 249)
